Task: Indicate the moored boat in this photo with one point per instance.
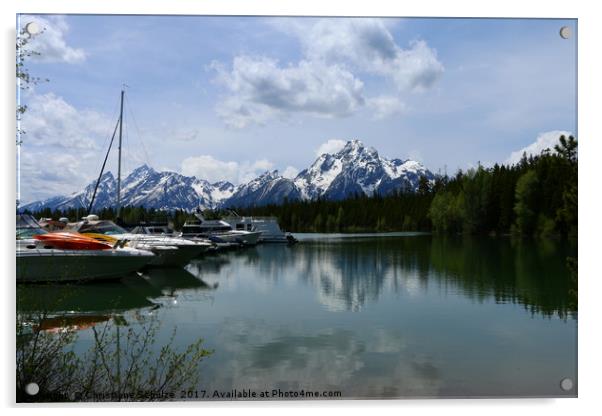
(202, 228)
(268, 227)
(70, 257)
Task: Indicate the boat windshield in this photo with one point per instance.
(107, 228)
(27, 221)
(27, 227)
(29, 232)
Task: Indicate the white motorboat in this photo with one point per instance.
(166, 231)
(40, 261)
(170, 251)
(268, 226)
(218, 229)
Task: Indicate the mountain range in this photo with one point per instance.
(355, 169)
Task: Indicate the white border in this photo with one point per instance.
(590, 36)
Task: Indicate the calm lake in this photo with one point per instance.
(371, 316)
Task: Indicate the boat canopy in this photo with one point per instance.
(27, 227)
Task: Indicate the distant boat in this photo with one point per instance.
(267, 226)
(70, 257)
(218, 229)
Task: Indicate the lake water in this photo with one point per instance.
(371, 316)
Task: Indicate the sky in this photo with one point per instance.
(226, 98)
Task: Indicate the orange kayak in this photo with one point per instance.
(71, 241)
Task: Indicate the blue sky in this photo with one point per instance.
(229, 97)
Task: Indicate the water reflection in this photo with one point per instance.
(83, 305)
(375, 363)
(354, 272)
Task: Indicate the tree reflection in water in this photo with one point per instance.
(355, 271)
(124, 363)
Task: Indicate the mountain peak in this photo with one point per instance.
(107, 176)
(270, 174)
(352, 145)
(356, 148)
(144, 168)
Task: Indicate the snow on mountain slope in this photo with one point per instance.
(357, 169)
(269, 188)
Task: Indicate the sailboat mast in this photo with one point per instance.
(119, 158)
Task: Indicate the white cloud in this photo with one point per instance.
(386, 106)
(50, 43)
(261, 89)
(325, 82)
(544, 141)
(61, 148)
(213, 170)
(367, 45)
(416, 68)
(51, 121)
(364, 42)
(331, 146)
(48, 173)
(290, 172)
(250, 170)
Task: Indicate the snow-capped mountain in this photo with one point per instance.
(144, 187)
(269, 188)
(356, 169)
(353, 170)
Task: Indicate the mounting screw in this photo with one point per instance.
(32, 28)
(566, 384)
(32, 389)
(565, 32)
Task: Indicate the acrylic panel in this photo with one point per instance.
(295, 208)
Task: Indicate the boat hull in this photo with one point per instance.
(249, 238)
(50, 265)
(268, 226)
(169, 251)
